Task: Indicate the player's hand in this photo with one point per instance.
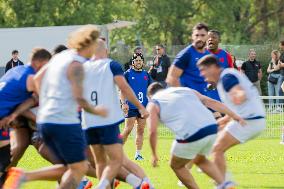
(101, 111)
(125, 108)
(144, 113)
(240, 120)
(155, 160)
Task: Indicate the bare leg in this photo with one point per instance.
(100, 159)
(178, 166)
(133, 167)
(140, 133)
(73, 176)
(209, 168)
(224, 141)
(129, 124)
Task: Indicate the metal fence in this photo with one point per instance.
(274, 120)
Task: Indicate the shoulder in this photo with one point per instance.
(115, 68)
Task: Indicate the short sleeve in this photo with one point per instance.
(182, 59)
(229, 81)
(115, 68)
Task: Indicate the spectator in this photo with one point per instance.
(281, 64)
(252, 69)
(235, 63)
(159, 69)
(14, 61)
(127, 65)
(273, 82)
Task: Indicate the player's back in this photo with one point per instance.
(182, 111)
(100, 89)
(57, 104)
(253, 106)
(13, 90)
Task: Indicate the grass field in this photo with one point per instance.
(258, 164)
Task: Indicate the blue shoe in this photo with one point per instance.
(85, 184)
(138, 157)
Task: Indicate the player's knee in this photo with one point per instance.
(80, 168)
(217, 149)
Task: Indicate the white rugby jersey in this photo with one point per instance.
(182, 111)
(100, 89)
(56, 102)
(252, 107)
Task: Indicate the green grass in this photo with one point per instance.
(259, 164)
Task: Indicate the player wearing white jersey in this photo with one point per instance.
(103, 76)
(239, 94)
(183, 111)
(61, 88)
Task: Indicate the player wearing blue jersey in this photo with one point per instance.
(184, 71)
(14, 90)
(139, 80)
(238, 93)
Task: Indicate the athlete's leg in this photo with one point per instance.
(209, 168)
(178, 166)
(20, 140)
(129, 124)
(100, 159)
(140, 134)
(224, 141)
(114, 153)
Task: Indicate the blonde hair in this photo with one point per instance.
(83, 37)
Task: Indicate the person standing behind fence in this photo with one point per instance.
(273, 81)
(252, 69)
(281, 64)
(159, 70)
(14, 61)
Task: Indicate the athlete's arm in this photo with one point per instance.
(38, 78)
(153, 122)
(126, 92)
(219, 107)
(75, 74)
(173, 76)
(124, 105)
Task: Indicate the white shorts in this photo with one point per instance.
(252, 129)
(191, 149)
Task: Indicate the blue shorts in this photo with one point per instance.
(133, 113)
(4, 134)
(104, 135)
(66, 141)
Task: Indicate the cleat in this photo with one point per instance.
(85, 184)
(143, 185)
(114, 183)
(14, 179)
(138, 157)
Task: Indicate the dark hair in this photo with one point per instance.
(215, 32)
(282, 42)
(154, 87)
(40, 54)
(59, 48)
(135, 55)
(160, 45)
(15, 52)
(136, 48)
(200, 26)
(208, 60)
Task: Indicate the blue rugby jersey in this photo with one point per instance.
(139, 82)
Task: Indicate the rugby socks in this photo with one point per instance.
(133, 180)
(138, 152)
(146, 179)
(103, 184)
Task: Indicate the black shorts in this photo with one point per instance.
(133, 113)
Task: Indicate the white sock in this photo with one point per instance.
(138, 152)
(133, 180)
(103, 184)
